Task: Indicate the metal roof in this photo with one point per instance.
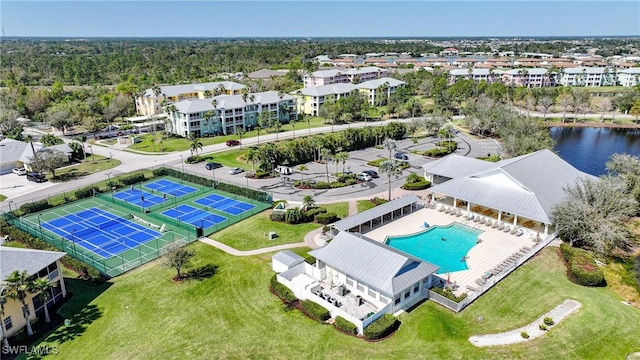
(376, 212)
(585, 70)
(12, 150)
(174, 90)
(376, 83)
(373, 263)
(29, 260)
(528, 186)
(454, 166)
(288, 258)
(323, 90)
(227, 102)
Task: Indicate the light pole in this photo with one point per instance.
(10, 202)
(40, 226)
(110, 156)
(73, 240)
(182, 160)
(109, 179)
(213, 175)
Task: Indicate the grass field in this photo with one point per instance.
(84, 168)
(181, 144)
(364, 205)
(233, 315)
(251, 234)
(341, 209)
(231, 158)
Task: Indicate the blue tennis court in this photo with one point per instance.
(225, 204)
(139, 197)
(171, 188)
(101, 232)
(194, 216)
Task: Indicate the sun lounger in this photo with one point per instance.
(507, 228)
(471, 288)
(519, 232)
(458, 213)
(480, 281)
(495, 224)
(526, 248)
(500, 226)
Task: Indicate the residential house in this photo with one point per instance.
(37, 264)
(149, 103)
(201, 117)
(18, 154)
(360, 279)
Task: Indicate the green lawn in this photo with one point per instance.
(251, 233)
(181, 144)
(15, 244)
(84, 168)
(2, 197)
(364, 205)
(144, 315)
(341, 209)
(230, 158)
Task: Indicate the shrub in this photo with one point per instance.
(160, 172)
(294, 216)
(542, 327)
(326, 218)
(351, 181)
(417, 183)
(86, 192)
(261, 174)
(310, 214)
(337, 184)
(325, 228)
(132, 179)
(346, 325)
(379, 201)
(194, 159)
(277, 216)
(438, 152)
(449, 294)
(548, 321)
(582, 266)
(315, 310)
(310, 259)
(524, 334)
(284, 292)
(35, 206)
(382, 327)
(322, 185)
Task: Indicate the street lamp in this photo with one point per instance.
(109, 179)
(213, 175)
(40, 226)
(110, 156)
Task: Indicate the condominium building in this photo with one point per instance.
(310, 99)
(529, 77)
(223, 114)
(488, 75)
(628, 77)
(336, 76)
(150, 102)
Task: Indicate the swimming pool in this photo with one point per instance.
(445, 246)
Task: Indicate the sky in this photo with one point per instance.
(305, 18)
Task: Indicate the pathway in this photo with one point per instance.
(229, 250)
(558, 314)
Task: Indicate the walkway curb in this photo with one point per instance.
(229, 250)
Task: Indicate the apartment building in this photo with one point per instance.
(587, 76)
(628, 77)
(529, 77)
(223, 114)
(150, 102)
(336, 76)
(310, 99)
(488, 75)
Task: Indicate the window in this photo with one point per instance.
(384, 299)
(360, 287)
(373, 293)
(8, 324)
(416, 287)
(349, 282)
(397, 301)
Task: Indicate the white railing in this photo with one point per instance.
(492, 280)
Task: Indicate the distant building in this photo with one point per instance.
(584, 76)
(529, 77)
(267, 73)
(335, 76)
(449, 52)
(151, 104)
(230, 113)
(629, 77)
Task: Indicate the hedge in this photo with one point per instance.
(193, 160)
(86, 192)
(337, 184)
(315, 310)
(376, 163)
(382, 327)
(35, 206)
(448, 294)
(421, 185)
(582, 266)
(346, 325)
(133, 179)
(322, 185)
(284, 292)
(439, 152)
(310, 214)
(326, 218)
(15, 234)
(277, 216)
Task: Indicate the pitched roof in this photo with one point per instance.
(363, 70)
(12, 150)
(586, 70)
(29, 260)
(376, 83)
(229, 102)
(340, 88)
(267, 73)
(529, 71)
(174, 90)
(454, 166)
(375, 264)
(288, 258)
(376, 212)
(528, 186)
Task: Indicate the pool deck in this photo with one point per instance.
(494, 248)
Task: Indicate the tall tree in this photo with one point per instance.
(391, 168)
(308, 202)
(545, 103)
(48, 160)
(176, 256)
(251, 157)
(326, 156)
(17, 286)
(195, 145)
(390, 145)
(42, 287)
(302, 168)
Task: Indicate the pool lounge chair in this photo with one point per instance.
(519, 232)
(458, 213)
(495, 224)
(480, 281)
(471, 288)
(507, 228)
(500, 226)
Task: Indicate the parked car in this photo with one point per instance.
(212, 165)
(36, 177)
(235, 170)
(232, 142)
(19, 171)
(284, 170)
(371, 173)
(401, 156)
(363, 177)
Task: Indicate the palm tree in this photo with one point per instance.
(390, 145)
(308, 202)
(207, 94)
(195, 145)
(252, 157)
(382, 114)
(302, 169)
(160, 141)
(17, 287)
(390, 167)
(42, 287)
(29, 139)
(275, 122)
(3, 300)
(326, 156)
(342, 157)
(240, 132)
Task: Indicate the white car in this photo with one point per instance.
(19, 171)
(235, 170)
(363, 177)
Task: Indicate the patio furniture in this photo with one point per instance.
(519, 232)
(471, 288)
(507, 228)
(480, 281)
